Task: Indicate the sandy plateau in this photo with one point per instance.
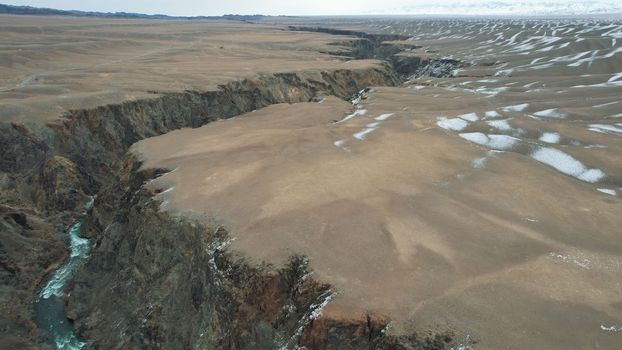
(487, 202)
(49, 65)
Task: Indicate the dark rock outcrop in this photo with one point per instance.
(158, 281)
(437, 68)
(372, 46)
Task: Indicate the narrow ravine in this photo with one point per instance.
(50, 307)
(125, 124)
(89, 146)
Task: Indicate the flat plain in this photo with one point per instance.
(49, 65)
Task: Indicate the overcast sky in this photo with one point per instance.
(334, 7)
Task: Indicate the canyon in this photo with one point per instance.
(312, 183)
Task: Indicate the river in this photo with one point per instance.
(49, 307)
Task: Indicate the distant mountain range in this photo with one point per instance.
(38, 11)
(512, 8)
(452, 8)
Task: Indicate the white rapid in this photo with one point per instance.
(50, 308)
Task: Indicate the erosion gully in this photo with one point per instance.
(85, 156)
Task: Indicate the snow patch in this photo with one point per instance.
(361, 134)
(615, 77)
(606, 104)
(356, 113)
(550, 137)
(502, 125)
(611, 328)
(551, 113)
(504, 73)
(492, 114)
(472, 117)
(455, 124)
(166, 191)
(497, 142)
(515, 108)
(570, 259)
(566, 164)
(605, 128)
(341, 144)
(608, 191)
(384, 116)
(595, 146)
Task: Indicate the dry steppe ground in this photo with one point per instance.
(49, 65)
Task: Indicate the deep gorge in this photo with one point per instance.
(155, 280)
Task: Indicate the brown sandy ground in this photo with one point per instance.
(49, 65)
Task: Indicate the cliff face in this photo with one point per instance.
(95, 139)
(152, 279)
(159, 281)
(39, 191)
(163, 282)
(378, 46)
